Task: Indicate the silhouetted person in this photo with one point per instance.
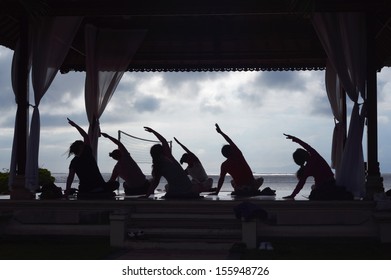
(165, 165)
(85, 167)
(312, 164)
(236, 165)
(126, 168)
(195, 170)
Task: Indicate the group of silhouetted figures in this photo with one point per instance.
(193, 180)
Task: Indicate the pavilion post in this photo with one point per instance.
(374, 181)
(18, 189)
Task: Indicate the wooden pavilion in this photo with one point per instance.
(205, 35)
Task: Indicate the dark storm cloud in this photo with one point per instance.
(173, 79)
(147, 104)
(250, 96)
(7, 109)
(6, 94)
(128, 94)
(213, 109)
(56, 121)
(266, 83)
(186, 83)
(5, 80)
(314, 98)
(319, 105)
(71, 84)
(127, 88)
(281, 80)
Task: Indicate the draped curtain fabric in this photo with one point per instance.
(343, 36)
(334, 94)
(51, 42)
(108, 55)
(16, 89)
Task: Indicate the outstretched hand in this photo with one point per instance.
(104, 134)
(291, 137)
(72, 123)
(288, 136)
(218, 128)
(148, 129)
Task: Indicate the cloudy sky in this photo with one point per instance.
(253, 108)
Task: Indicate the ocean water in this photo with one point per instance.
(282, 183)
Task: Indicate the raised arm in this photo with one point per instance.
(301, 143)
(225, 137)
(183, 146)
(115, 141)
(166, 147)
(81, 131)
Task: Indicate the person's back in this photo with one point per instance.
(177, 179)
(243, 180)
(197, 172)
(237, 166)
(312, 164)
(318, 168)
(165, 165)
(129, 170)
(84, 165)
(87, 170)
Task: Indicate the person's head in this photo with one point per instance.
(115, 154)
(300, 156)
(76, 148)
(156, 153)
(226, 151)
(184, 158)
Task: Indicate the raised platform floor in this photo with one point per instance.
(208, 223)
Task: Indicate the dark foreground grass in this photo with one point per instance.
(55, 248)
(323, 249)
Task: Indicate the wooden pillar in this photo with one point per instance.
(18, 190)
(374, 182)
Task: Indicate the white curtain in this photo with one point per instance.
(108, 55)
(52, 39)
(343, 36)
(352, 170)
(15, 86)
(335, 95)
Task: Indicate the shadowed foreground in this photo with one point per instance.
(98, 248)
